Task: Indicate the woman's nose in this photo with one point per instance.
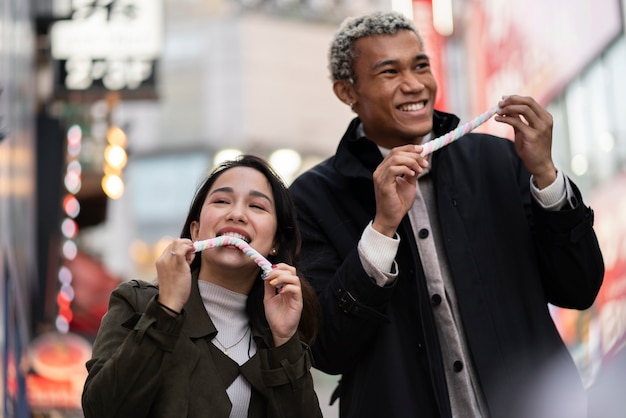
(237, 213)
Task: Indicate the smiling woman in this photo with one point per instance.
(225, 330)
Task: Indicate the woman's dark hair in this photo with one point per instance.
(287, 242)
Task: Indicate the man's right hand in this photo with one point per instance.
(395, 182)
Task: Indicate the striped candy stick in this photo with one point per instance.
(442, 141)
(224, 240)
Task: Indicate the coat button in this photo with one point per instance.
(457, 366)
(435, 299)
(423, 233)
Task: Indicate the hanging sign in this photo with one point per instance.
(111, 45)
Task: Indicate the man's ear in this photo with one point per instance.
(344, 90)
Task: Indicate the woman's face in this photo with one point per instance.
(240, 204)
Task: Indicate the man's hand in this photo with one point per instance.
(532, 127)
(395, 182)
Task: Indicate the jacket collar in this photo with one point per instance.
(201, 325)
(358, 156)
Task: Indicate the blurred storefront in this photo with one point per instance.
(19, 287)
(574, 64)
(570, 56)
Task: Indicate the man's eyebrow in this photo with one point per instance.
(383, 63)
(254, 193)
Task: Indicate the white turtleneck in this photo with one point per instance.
(227, 310)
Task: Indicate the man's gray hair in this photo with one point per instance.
(342, 54)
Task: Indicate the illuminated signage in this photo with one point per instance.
(520, 47)
(113, 43)
(58, 371)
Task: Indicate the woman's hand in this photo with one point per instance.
(174, 274)
(283, 302)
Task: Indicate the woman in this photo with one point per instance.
(214, 338)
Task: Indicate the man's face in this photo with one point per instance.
(395, 89)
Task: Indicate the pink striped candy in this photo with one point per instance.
(224, 240)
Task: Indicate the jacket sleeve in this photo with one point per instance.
(134, 339)
(353, 305)
(286, 373)
(569, 255)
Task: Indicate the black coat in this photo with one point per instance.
(508, 259)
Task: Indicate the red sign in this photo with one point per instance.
(532, 47)
(435, 47)
(58, 365)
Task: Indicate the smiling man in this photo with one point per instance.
(435, 273)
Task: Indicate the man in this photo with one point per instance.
(435, 273)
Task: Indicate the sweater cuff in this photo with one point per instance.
(377, 253)
(552, 197)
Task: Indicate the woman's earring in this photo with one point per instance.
(273, 251)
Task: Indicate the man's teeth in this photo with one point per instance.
(235, 235)
(412, 107)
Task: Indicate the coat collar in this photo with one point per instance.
(199, 325)
(202, 325)
(358, 156)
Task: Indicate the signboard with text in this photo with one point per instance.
(108, 45)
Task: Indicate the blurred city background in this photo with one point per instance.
(112, 111)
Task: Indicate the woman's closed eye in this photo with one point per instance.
(259, 206)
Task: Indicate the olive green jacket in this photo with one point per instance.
(146, 363)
